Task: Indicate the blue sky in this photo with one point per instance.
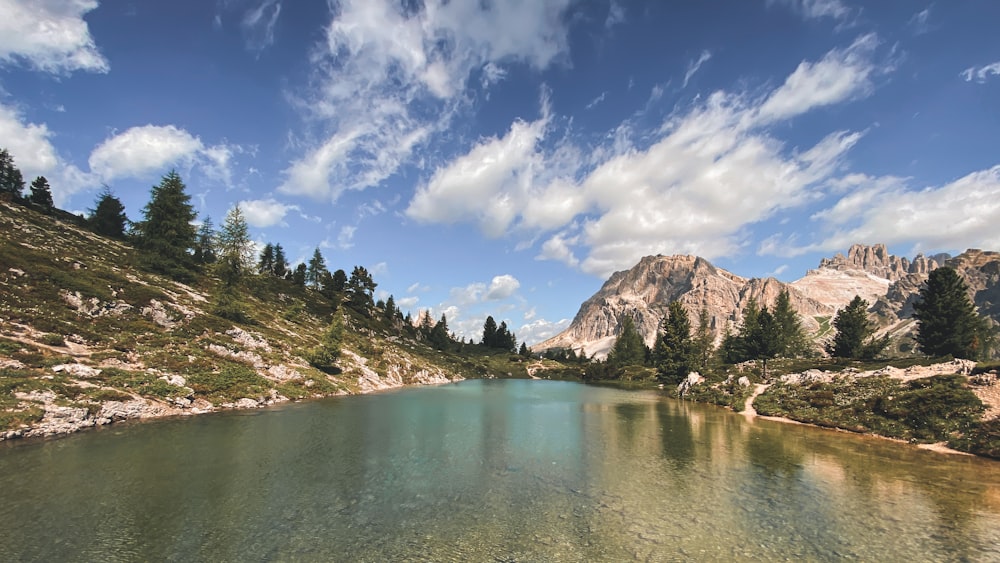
(505, 157)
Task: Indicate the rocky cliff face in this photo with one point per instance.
(888, 282)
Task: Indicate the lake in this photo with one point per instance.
(490, 470)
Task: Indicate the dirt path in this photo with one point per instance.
(748, 409)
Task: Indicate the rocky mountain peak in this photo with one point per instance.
(874, 259)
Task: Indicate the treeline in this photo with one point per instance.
(171, 241)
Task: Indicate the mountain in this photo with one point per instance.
(889, 283)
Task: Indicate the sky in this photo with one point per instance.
(504, 157)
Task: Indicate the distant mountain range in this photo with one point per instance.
(889, 283)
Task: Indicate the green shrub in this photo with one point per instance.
(232, 382)
(54, 340)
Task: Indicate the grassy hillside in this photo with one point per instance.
(88, 338)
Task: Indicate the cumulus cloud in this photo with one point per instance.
(34, 155)
(388, 76)
(264, 213)
(540, 330)
(502, 287)
(49, 35)
(710, 171)
(141, 150)
(954, 217)
(982, 73)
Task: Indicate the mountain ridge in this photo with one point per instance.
(889, 283)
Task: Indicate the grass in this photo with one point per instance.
(933, 409)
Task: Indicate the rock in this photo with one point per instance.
(248, 340)
(743, 381)
(283, 373)
(692, 379)
(158, 314)
(77, 370)
(246, 403)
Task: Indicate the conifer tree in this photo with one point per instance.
(324, 356)
(315, 269)
(11, 180)
(299, 275)
(439, 334)
(205, 242)
(855, 333)
(360, 290)
(41, 194)
(490, 332)
(524, 351)
(280, 262)
(701, 342)
(166, 235)
(108, 216)
(947, 322)
(339, 281)
(628, 349)
(265, 263)
(763, 338)
(234, 265)
(673, 350)
(792, 340)
(390, 309)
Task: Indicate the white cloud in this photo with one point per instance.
(540, 330)
(468, 295)
(379, 63)
(693, 66)
(593, 103)
(709, 172)
(407, 302)
(954, 217)
(34, 155)
(380, 269)
(982, 73)
(345, 239)
(815, 9)
(262, 213)
(140, 150)
(49, 35)
(841, 75)
(258, 24)
(502, 287)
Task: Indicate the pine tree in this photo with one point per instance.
(702, 341)
(628, 349)
(41, 194)
(108, 216)
(490, 332)
(265, 263)
(204, 246)
(11, 180)
(673, 351)
(439, 334)
(792, 339)
(299, 275)
(426, 324)
(763, 338)
(524, 351)
(390, 309)
(324, 356)
(855, 333)
(166, 235)
(360, 290)
(317, 265)
(280, 262)
(947, 322)
(339, 281)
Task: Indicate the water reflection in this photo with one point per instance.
(492, 470)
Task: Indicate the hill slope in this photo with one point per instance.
(87, 338)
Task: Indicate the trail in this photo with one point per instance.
(748, 409)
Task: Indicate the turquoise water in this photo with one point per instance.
(491, 471)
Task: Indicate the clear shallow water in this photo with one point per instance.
(491, 471)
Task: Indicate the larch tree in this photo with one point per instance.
(234, 266)
(166, 235)
(947, 322)
(315, 269)
(702, 340)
